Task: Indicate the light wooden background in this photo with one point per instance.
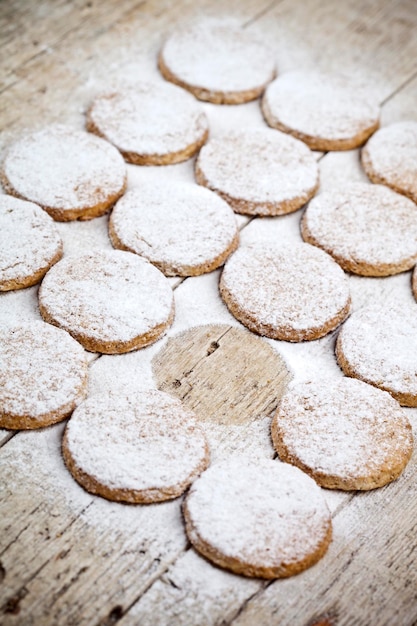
(67, 557)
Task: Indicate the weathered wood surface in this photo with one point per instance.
(67, 557)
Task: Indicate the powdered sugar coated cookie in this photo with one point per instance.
(258, 171)
(181, 228)
(325, 111)
(368, 229)
(262, 518)
(390, 158)
(344, 433)
(111, 302)
(379, 346)
(43, 375)
(151, 124)
(69, 173)
(291, 292)
(138, 448)
(29, 243)
(217, 61)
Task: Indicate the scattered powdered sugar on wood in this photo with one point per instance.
(149, 118)
(136, 442)
(29, 241)
(110, 295)
(42, 369)
(179, 227)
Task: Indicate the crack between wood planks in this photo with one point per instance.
(7, 438)
(261, 13)
(400, 88)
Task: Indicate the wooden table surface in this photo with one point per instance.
(70, 558)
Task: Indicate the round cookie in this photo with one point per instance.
(43, 375)
(140, 448)
(379, 346)
(258, 171)
(29, 243)
(69, 173)
(111, 302)
(218, 62)
(390, 158)
(344, 433)
(151, 124)
(368, 229)
(183, 229)
(262, 518)
(294, 292)
(324, 111)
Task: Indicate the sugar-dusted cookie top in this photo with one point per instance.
(390, 158)
(181, 228)
(368, 229)
(325, 111)
(111, 301)
(70, 173)
(140, 448)
(291, 292)
(379, 346)
(43, 375)
(217, 61)
(262, 518)
(344, 433)
(151, 124)
(29, 243)
(259, 171)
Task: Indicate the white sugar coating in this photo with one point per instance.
(319, 105)
(139, 441)
(29, 240)
(62, 168)
(150, 119)
(364, 224)
(296, 286)
(42, 369)
(391, 155)
(218, 56)
(180, 227)
(111, 296)
(344, 428)
(380, 345)
(263, 513)
(259, 165)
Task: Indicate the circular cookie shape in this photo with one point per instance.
(294, 292)
(218, 62)
(324, 111)
(111, 302)
(69, 173)
(379, 346)
(368, 229)
(262, 518)
(390, 158)
(29, 243)
(43, 375)
(344, 433)
(183, 229)
(152, 124)
(140, 448)
(258, 171)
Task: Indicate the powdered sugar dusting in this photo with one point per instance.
(149, 119)
(111, 296)
(263, 513)
(42, 369)
(177, 226)
(218, 56)
(344, 428)
(62, 168)
(140, 441)
(29, 240)
(365, 225)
